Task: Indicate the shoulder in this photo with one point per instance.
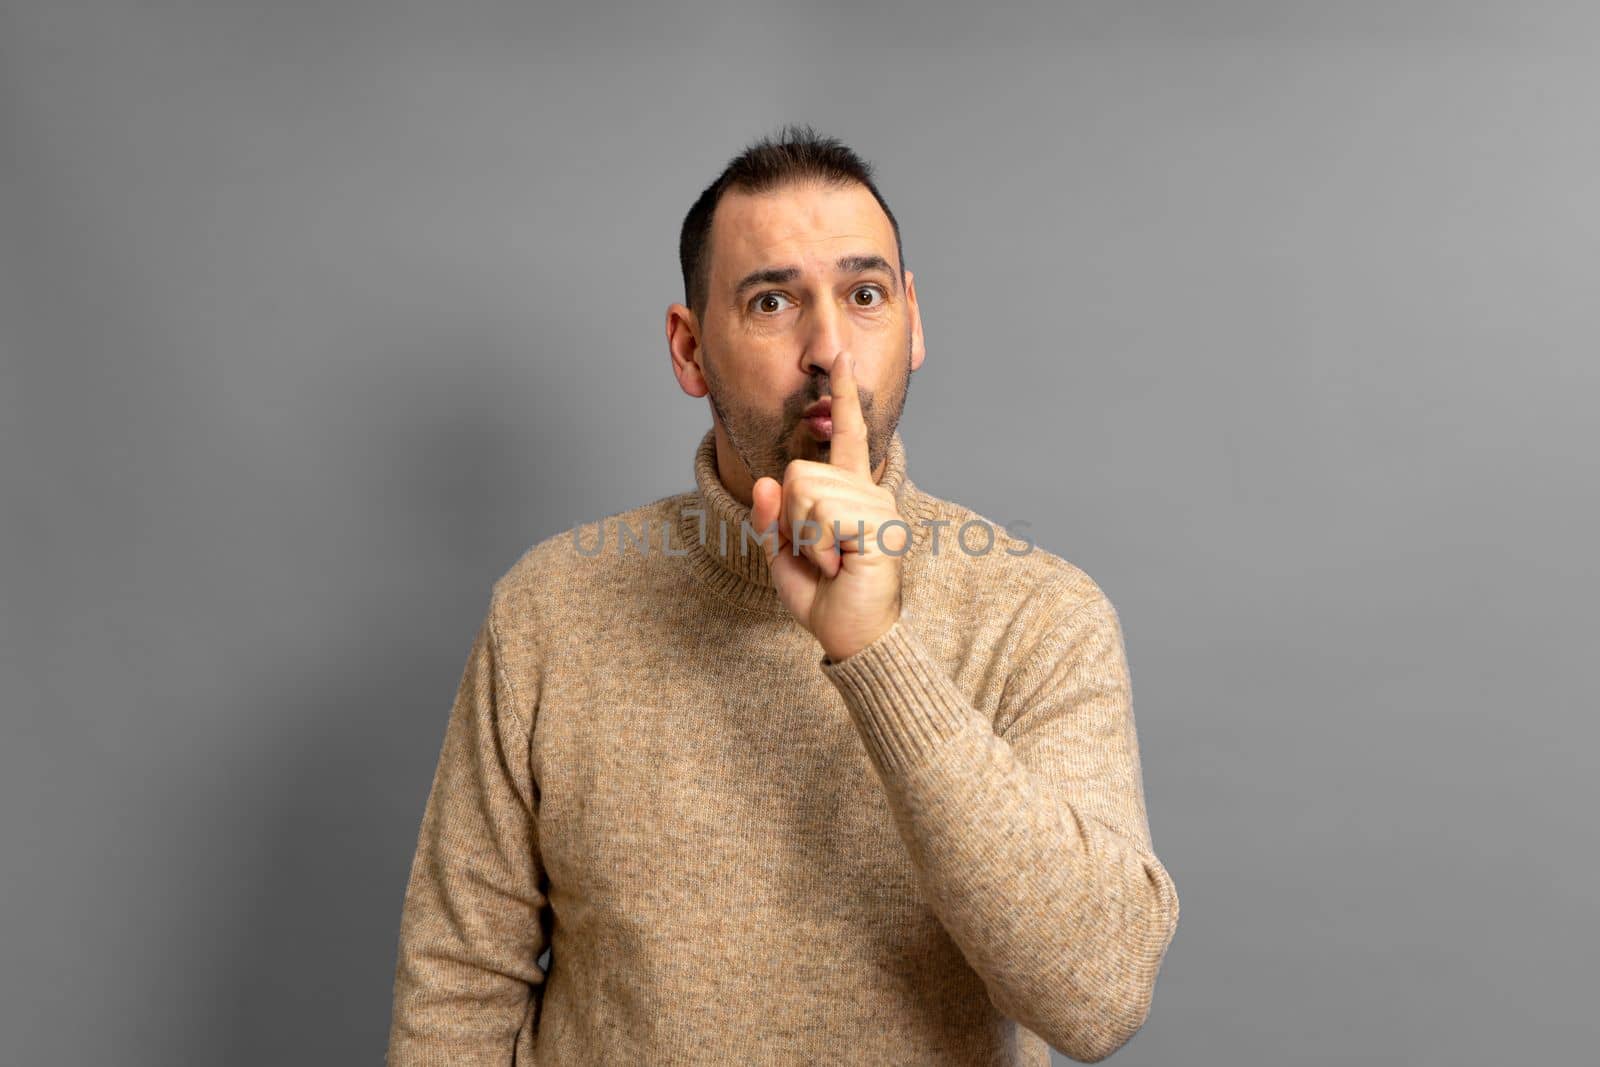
(562, 582)
(997, 565)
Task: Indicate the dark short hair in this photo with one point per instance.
(796, 154)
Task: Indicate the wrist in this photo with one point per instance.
(846, 649)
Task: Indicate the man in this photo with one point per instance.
(801, 766)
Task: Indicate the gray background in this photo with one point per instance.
(1276, 318)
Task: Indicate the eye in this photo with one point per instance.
(767, 303)
(874, 296)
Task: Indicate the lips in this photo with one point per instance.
(818, 418)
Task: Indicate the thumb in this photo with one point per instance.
(765, 498)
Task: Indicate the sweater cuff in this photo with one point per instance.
(903, 703)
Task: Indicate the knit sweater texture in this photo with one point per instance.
(934, 851)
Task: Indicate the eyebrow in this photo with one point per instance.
(784, 275)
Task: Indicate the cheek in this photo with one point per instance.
(756, 340)
(765, 335)
(755, 377)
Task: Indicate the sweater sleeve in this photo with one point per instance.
(471, 930)
(1030, 842)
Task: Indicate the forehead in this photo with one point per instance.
(802, 225)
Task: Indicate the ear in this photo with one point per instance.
(919, 349)
(683, 343)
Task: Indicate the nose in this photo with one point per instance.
(827, 336)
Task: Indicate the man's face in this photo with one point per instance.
(797, 276)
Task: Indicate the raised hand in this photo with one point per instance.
(836, 567)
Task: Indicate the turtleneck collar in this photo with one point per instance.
(733, 563)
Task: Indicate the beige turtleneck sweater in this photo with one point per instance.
(740, 852)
